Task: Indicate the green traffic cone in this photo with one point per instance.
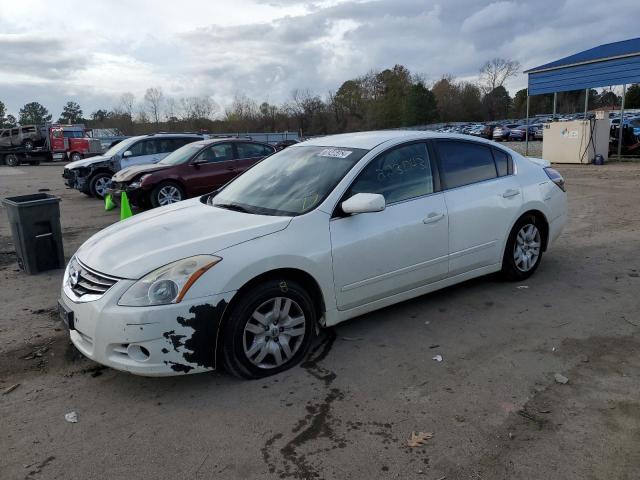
(125, 209)
(108, 203)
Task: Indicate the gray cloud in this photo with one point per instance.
(318, 50)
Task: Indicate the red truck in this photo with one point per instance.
(52, 141)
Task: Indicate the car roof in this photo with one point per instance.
(169, 135)
(370, 140)
(209, 141)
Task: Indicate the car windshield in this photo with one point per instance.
(181, 155)
(290, 182)
(119, 146)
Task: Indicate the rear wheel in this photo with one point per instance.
(270, 329)
(166, 193)
(98, 184)
(12, 160)
(75, 156)
(28, 144)
(523, 253)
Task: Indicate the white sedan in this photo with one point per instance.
(315, 234)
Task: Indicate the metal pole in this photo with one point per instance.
(526, 132)
(555, 100)
(586, 102)
(624, 92)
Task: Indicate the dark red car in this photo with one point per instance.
(190, 171)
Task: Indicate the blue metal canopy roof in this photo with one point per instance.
(610, 64)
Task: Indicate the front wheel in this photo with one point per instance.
(523, 252)
(28, 145)
(270, 329)
(166, 193)
(99, 183)
(75, 156)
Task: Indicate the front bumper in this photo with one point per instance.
(153, 341)
(73, 179)
(136, 196)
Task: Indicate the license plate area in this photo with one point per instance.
(66, 315)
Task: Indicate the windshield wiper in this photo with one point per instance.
(232, 206)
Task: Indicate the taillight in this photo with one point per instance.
(555, 177)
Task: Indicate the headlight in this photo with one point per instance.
(138, 183)
(167, 284)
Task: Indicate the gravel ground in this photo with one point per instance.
(492, 404)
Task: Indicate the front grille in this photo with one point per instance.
(87, 284)
(68, 173)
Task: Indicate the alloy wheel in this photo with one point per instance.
(526, 250)
(274, 332)
(168, 195)
(100, 186)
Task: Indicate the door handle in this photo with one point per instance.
(433, 217)
(511, 193)
(231, 168)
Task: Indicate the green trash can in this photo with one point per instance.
(35, 226)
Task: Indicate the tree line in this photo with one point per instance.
(390, 98)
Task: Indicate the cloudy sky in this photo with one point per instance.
(93, 51)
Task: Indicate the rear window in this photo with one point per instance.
(463, 163)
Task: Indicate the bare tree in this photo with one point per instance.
(153, 99)
(495, 72)
(127, 104)
(198, 108)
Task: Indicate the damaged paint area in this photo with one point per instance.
(194, 338)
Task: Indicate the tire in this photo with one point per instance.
(166, 193)
(28, 144)
(523, 252)
(12, 160)
(249, 332)
(75, 156)
(98, 184)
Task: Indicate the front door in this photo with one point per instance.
(142, 153)
(211, 168)
(376, 255)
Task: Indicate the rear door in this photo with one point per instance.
(5, 140)
(211, 168)
(483, 199)
(248, 153)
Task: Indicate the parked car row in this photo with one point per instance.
(499, 131)
(161, 169)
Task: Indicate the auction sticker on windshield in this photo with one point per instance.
(334, 153)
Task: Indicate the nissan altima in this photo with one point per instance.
(316, 234)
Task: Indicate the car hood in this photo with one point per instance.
(138, 245)
(129, 173)
(86, 162)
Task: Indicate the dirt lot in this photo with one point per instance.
(492, 404)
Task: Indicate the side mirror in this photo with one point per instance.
(198, 161)
(126, 154)
(364, 203)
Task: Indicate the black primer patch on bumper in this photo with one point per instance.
(200, 348)
(202, 344)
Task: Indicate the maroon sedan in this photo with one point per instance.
(192, 170)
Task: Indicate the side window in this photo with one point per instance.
(143, 147)
(182, 141)
(504, 164)
(165, 145)
(219, 152)
(399, 174)
(252, 150)
(15, 131)
(5, 133)
(463, 163)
